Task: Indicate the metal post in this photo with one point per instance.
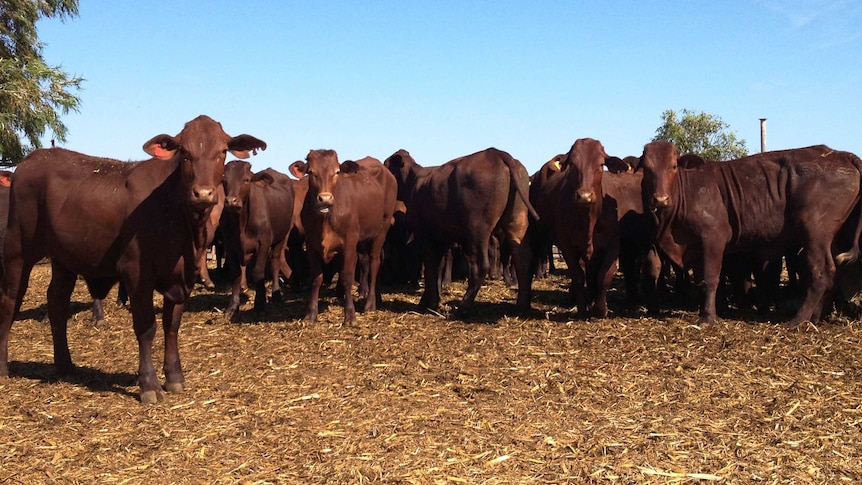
(762, 135)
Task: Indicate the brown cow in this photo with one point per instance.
(143, 223)
(257, 219)
(464, 201)
(766, 204)
(348, 209)
(541, 236)
(213, 223)
(573, 206)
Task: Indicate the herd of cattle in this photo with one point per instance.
(148, 225)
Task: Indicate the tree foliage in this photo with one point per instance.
(33, 94)
(700, 133)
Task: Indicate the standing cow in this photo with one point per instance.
(574, 209)
(257, 219)
(464, 201)
(143, 223)
(348, 209)
(767, 204)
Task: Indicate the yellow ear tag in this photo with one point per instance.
(557, 165)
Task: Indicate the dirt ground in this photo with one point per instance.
(406, 397)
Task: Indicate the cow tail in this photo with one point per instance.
(852, 254)
(513, 166)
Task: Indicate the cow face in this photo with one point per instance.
(322, 170)
(660, 165)
(237, 184)
(200, 149)
(585, 162)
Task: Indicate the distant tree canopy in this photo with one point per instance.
(33, 95)
(700, 133)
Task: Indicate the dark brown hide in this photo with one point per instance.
(541, 237)
(144, 223)
(767, 204)
(348, 209)
(257, 219)
(464, 201)
(584, 224)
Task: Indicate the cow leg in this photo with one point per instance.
(172, 314)
(315, 269)
(15, 282)
(712, 259)
(347, 278)
(477, 256)
(233, 303)
(279, 266)
(260, 296)
(522, 259)
(98, 310)
(144, 323)
(432, 256)
(204, 274)
(651, 277)
(374, 298)
(821, 275)
(603, 278)
(59, 294)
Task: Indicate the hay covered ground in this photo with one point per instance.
(405, 397)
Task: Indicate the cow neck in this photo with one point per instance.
(665, 217)
(418, 177)
(195, 219)
(255, 199)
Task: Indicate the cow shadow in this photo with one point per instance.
(40, 313)
(94, 380)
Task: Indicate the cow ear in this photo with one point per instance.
(691, 161)
(349, 166)
(243, 146)
(262, 178)
(395, 161)
(297, 169)
(162, 147)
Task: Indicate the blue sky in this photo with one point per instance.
(444, 78)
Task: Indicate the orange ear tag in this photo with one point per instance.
(5, 181)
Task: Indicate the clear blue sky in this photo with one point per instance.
(444, 79)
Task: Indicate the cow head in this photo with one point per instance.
(200, 149)
(322, 169)
(585, 164)
(617, 165)
(660, 165)
(401, 164)
(237, 184)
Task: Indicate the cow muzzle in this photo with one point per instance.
(585, 197)
(233, 203)
(660, 201)
(324, 202)
(203, 196)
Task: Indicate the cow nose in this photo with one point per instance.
(203, 194)
(585, 197)
(324, 198)
(659, 201)
(232, 202)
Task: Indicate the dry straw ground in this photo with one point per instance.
(405, 397)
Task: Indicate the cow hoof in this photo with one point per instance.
(152, 397)
(100, 322)
(175, 387)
